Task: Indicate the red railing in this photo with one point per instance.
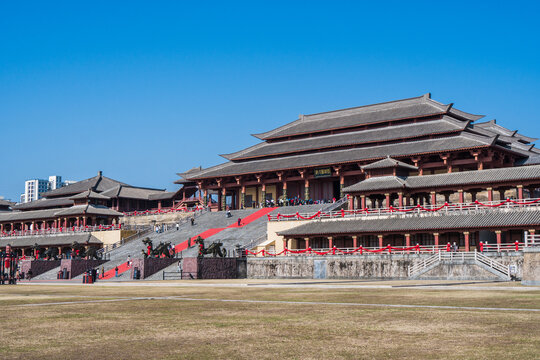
(61, 230)
(162, 211)
(446, 207)
(361, 250)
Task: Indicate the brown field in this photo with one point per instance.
(174, 328)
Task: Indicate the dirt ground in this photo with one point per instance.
(269, 320)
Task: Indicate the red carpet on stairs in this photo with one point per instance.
(205, 235)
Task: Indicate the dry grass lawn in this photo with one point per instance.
(179, 329)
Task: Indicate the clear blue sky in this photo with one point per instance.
(143, 90)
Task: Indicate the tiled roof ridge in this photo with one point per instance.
(479, 139)
(422, 98)
(438, 108)
(302, 118)
(460, 125)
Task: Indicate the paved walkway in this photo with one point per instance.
(281, 302)
(309, 284)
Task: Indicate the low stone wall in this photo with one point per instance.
(531, 266)
(150, 266)
(387, 266)
(38, 266)
(155, 219)
(214, 268)
(76, 267)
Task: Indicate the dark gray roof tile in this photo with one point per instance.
(408, 131)
(493, 220)
(459, 142)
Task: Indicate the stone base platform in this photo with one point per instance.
(149, 266)
(214, 268)
(38, 267)
(373, 267)
(531, 266)
(75, 267)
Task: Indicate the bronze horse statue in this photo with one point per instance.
(45, 254)
(51, 253)
(38, 251)
(215, 248)
(90, 253)
(161, 250)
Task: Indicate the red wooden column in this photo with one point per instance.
(407, 241)
(1, 227)
(490, 193)
(436, 239)
(306, 190)
(499, 237)
(466, 234)
(461, 197)
(363, 201)
(387, 199)
(330, 242)
(380, 240)
(307, 243)
(351, 202)
(433, 198)
(520, 192)
(355, 241)
(284, 244)
(400, 199)
(223, 199)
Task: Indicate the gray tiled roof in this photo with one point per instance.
(493, 126)
(97, 183)
(131, 192)
(462, 141)
(89, 194)
(439, 126)
(27, 215)
(378, 183)
(489, 176)
(87, 209)
(49, 240)
(15, 216)
(44, 203)
(369, 114)
(6, 203)
(531, 160)
(162, 196)
(388, 162)
(493, 220)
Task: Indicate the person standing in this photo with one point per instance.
(102, 272)
(239, 222)
(116, 271)
(177, 226)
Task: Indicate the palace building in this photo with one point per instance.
(98, 200)
(416, 144)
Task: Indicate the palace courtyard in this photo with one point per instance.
(268, 319)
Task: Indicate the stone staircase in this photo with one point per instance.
(467, 259)
(229, 236)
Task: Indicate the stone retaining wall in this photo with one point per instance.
(531, 266)
(150, 266)
(388, 266)
(38, 266)
(214, 268)
(76, 267)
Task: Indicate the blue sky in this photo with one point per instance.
(143, 90)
